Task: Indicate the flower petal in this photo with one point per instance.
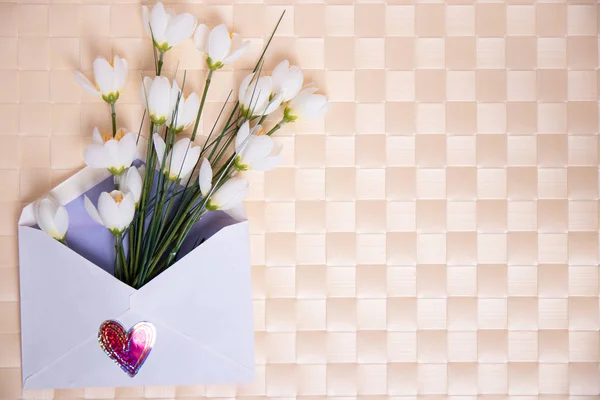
(127, 149)
(241, 136)
(159, 98)
(145, 89)
(244, 88)
(91, 210)
(190, 110)
(158, 22)
(176, 100)
(280, 71)
(205, 177)
(132, 183)
(146, 20)
(189, 162)
(314, 107)
(267, 163)
(103, 74)
(257, 148)
(201, 37)
(292, 84)
(96, 137)
(44, 210)
(61, 220)
(120, 73)
(273, 104)
(184, 157)
(180, 28)
(108, 211)
(257, 95)
(159, 146)
(126, 211)
(177, 156)
(230, 194)
(238, 48)
(85, 83)
(238, 212)
(219, 43)
(96, 156)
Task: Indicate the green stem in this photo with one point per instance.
(170, 200)
(162, 187)
(202, 101)
(138, 226)
(113, 115)
(277, 127)
(160, 63)
(117, 181)
(119, 257)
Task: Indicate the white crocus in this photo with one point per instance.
(220, 46)
(110, 78)
(114, 153)
(205, 177)
(132, 183)
(306, 105)
(180, 161)
(255, 96)
(51, 217)
(187, 109)
(115, 210)
(167, 28)
(256, 151)
(160, 98)
(229, 195)
(287, 81)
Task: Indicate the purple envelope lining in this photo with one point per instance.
(95, 243)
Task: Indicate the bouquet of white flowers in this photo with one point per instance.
(153, 207)
(153, 214)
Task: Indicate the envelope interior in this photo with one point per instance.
(95, 243)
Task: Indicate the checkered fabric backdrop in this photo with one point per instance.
(436, 236)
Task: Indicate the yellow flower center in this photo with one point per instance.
(230, 35)
(261, 132)
(107, 136)
(117, 197)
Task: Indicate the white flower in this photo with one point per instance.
(180, 161)
(229, 195)
(132, 183)
(187, 109)
(110, 78)
(306, 105)
(255, 96)
(160, 98)
(115, 210)
(287, 81)
(205, 177)
(255, 151)
(167, 28)
(114, 153)
(220, 46)
(51, 217)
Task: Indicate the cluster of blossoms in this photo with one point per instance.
(169, 108)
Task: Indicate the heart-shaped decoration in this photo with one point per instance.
(128, 349)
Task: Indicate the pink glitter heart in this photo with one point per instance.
(128, 349)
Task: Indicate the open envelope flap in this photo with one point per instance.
(64, 298)
(207, 295)
(78, 184)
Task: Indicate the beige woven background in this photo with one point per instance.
(435, 236)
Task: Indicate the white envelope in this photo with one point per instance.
(201, 308)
